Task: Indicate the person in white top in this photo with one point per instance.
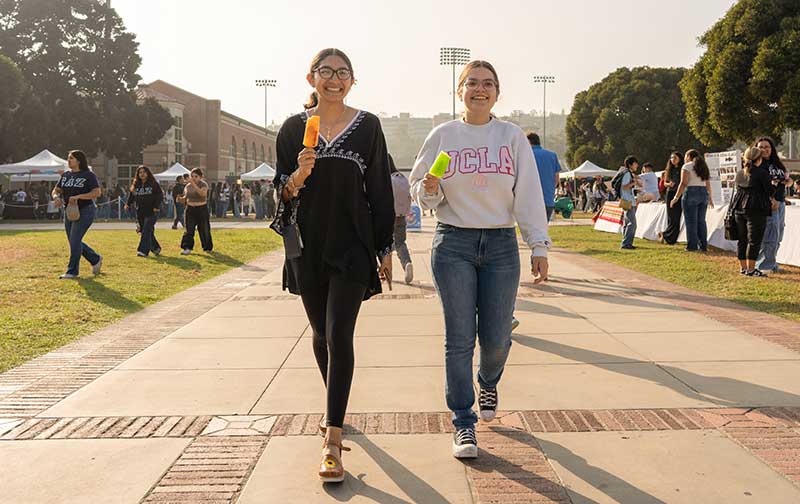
(491, 183)
(694, 192)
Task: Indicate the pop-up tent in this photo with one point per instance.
(263, 172)
(45, 162)
(171, 174)
(38, 177)
(588, 170)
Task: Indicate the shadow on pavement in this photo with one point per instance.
(615, 487)
(726, 391)
(416, 488)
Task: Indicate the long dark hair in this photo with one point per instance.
(137, 182)
(670, 167)
(83, 163)
(774, 159)
(313, 100)
(700, 166)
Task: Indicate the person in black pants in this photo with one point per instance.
(339, 195)
(146, 195)
(195, 197)
(672, 178)
(752, 205)
(177, 191)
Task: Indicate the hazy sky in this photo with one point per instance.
(218, 48)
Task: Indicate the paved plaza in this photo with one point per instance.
(619, 388)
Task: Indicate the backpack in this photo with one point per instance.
(616, 182)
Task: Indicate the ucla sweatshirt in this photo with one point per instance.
(491, 182)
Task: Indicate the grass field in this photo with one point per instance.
(39, 312)
(715, 273)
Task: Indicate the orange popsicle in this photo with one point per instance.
(311, 137)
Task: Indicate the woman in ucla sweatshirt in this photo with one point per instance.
(491, 183)
(146, 194)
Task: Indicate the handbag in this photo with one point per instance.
(292, 240)
(625, 204)
(731, 231)
(73, 212)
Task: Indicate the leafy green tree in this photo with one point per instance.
(81, 64)
(747, 83)
(632, 111)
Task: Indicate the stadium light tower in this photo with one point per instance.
(545, 80)
(266, 84)
(453, 56)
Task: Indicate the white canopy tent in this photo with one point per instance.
(588, 170)
(263, 172)
(171, 174)
(45, 161)
(38, 177)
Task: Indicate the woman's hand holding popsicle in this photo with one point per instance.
(305, 165)
(431, 184)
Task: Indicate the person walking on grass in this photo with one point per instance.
(548, 166)
(177, 191)
(695, 191)
(76, 190)
(146, 195)
(246, 200)
(195, 197)
(491, 184)
(338, 197)
(402, 205)
(752, 206)
(624, 183)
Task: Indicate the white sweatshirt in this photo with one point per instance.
(491, 182)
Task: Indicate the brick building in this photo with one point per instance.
(203, 136)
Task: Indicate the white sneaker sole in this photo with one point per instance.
(465, 451)
(97, 267)
(488, 415)
(409, 273)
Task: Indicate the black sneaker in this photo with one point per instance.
(465, 445)
(487, 402)
(743, 271)
(756, 273)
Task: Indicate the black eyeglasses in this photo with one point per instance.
(327, 72)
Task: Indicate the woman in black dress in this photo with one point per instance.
(340, 195)
(672, 178)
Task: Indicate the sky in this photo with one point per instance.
(217, 49)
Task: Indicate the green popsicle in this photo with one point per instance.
(440, 165)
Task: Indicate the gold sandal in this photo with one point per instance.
(331, 470)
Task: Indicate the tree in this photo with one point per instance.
(747, 83)
(81, 64)
(632, 111)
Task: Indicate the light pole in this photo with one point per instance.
(454, 56)
(266, 84)
(545, 80)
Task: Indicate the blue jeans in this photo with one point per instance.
(695, 205)
(76, 230)
(179, 211)
(259, 204)
(549, 210)
(236, 208)
(629, 227)
(773, 235)
(474, 269)
(147, 240)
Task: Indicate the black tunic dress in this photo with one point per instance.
(346, 210)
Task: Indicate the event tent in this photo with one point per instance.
(588, 170)
(263, 172)
(171, 174)
(38, 177)
(45, 161)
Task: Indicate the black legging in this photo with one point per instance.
(750, 228)
(673, 219)
(332, 307)
(197, 217)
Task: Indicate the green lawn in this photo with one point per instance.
(715, 273)
(39, 312)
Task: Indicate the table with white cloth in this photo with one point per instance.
(651, 218)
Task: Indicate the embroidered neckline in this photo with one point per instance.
(342, 136)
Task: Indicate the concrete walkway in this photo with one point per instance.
(619, 388)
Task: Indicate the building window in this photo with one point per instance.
(126, 172)
(254, 153)
(244, 152)
(178, 139)
(263, 159)
(270, 154)
(233, 148)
